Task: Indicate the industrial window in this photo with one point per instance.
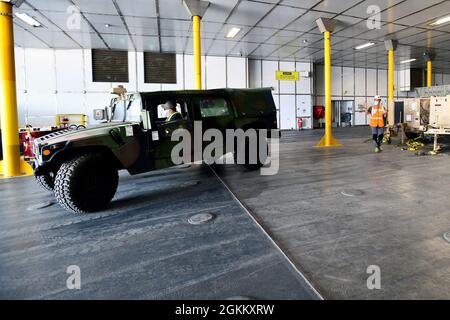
(109, 66)
(160, 67)
(213, 108)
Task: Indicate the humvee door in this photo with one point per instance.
(162, 131)
(215, 112)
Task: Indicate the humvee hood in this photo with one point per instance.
(65, 135)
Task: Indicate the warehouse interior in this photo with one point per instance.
(335, 214)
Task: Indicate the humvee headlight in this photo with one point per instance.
(48, 150)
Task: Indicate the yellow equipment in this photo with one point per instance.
(66, 119)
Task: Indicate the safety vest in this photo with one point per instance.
(376, 116)
(169, 118)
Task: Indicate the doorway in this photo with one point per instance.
(343, 113)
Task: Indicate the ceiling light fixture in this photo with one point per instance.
(365, 45)
(441, 21)
(409, 60)
(28, 19)
(233, 32)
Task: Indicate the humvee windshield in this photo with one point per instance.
(126, 110)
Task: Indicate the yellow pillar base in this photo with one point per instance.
(25, 169)
(330, 142)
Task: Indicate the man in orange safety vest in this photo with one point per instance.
(377, 113)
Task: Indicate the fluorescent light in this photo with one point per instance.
(26, 18)
(365, 45)
(232, 33)
(409, 60)
(441, 21)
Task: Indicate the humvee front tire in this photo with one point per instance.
(46, 181)
(86, 183)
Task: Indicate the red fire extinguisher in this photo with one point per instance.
(300, 123)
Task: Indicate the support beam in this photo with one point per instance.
(197, 52)
(429, 73)
(391, 77)
(197, 9)
(429, 57)
(326, 26)
(391, 46)
(11, 165)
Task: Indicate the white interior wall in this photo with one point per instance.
(360, 85)
(60, 81)
(293, 99)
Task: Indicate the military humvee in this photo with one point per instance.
(81, 166)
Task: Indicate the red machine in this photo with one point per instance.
(27, 136)
(63, 121)
(318, 112)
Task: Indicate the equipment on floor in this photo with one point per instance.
(439, 122)
(416, 115)
(428, 114)
(440, 114)
(414, 144)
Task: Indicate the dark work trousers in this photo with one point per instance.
(377, 136)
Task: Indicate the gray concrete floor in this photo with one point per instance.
(142, 247)
(395, 218)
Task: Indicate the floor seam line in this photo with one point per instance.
(252, 217)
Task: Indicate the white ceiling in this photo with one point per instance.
(270, 29)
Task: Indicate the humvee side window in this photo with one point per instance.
(162, 112)
(213, 107)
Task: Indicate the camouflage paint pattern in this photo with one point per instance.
(134, 148)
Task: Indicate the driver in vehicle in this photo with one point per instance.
(172, 113)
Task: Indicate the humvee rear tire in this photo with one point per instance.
(86, 183)
(46, 181)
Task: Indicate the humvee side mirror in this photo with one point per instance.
(146, 122)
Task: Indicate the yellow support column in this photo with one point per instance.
(391, 46)
(328, 140)
(12, 165)
(429, 73)
(197, 52)
(197, 8)
(391, 77)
